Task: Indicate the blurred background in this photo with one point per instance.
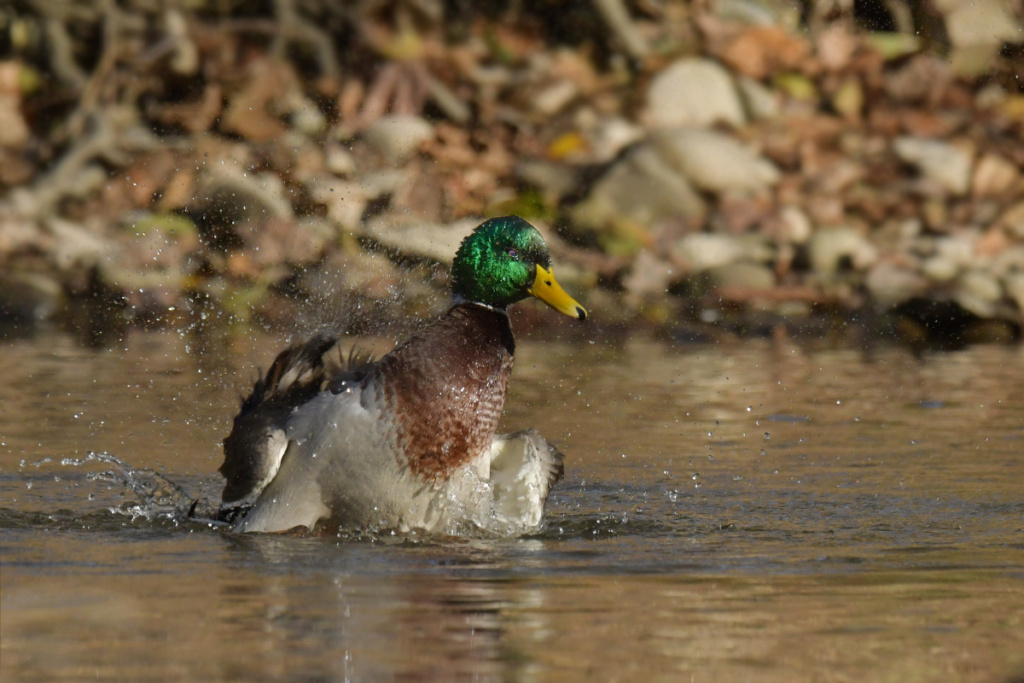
(732, 167)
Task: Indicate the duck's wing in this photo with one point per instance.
(318, 475)
(254, 449)
(522, 469)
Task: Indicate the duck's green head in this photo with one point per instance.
(505, 260)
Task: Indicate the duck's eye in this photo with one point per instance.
(513, 253)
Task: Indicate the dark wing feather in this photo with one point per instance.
(298, 374)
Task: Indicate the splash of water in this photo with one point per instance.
(158, 498)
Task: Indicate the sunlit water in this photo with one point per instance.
(758, 511)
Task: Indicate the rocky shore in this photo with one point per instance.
(729, 166)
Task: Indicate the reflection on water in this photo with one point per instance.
(760, 511)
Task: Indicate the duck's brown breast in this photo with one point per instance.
(445, 388)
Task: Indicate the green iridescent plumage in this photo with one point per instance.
(496, 264)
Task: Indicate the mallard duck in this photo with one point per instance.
(409, 441)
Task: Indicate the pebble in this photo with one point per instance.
(994, 176)
(714, 161)
(830, 248)
(1012, 220)
(760, 101)
(409, 236)
(891, 285)
(945, 164)
(978, 291)
(398, 136)
(1014, 285)
(703, 251)
(951, 255)
(743, 276)
(649, 275)
(794, 226)
(693, 92)
(642, 188)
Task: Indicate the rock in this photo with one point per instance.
(759, 101)
(714, 161)
(891, 285)
(398, 136)
(641, 187)
(1012, 220)
(943, 163)
(701, 251)
(836, 248)
(793, 226)
(423, 240)
(29, 295)
(940, 268)
(547, 176)
(743, 276)
(1008, 260)
(920, 78)
(296, 242)
(693, 92)
(977, 29)
(610, 136)
(552, 99)
(978, 291)
(237, 195)
(649, 275)
(994, 176)
(74, 244)
(18, 233)
(1014, 285)
(306, 117)
(345, 279)
(346, 200)
(14, 131)
(339, 160)
(952, 255)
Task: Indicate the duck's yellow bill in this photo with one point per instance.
(546, 288)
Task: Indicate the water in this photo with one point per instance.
(754, 511)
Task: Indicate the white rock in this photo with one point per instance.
(648, 275)
(746, 276)
(1014, 284)
(642, 188)
(714, 161)
(693, 92)
(794, 225)
(890, 284)
(993, 176)
(555, 97)
(433, 241)
(610, 136)
(978, 291)
(941, 162)
(339, 160)
(979, 22)
(940, 268)
(829, 248)
(701, 251)
(1012, 220)
(398, 136)
(761, 102)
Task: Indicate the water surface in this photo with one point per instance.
(753, 511)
